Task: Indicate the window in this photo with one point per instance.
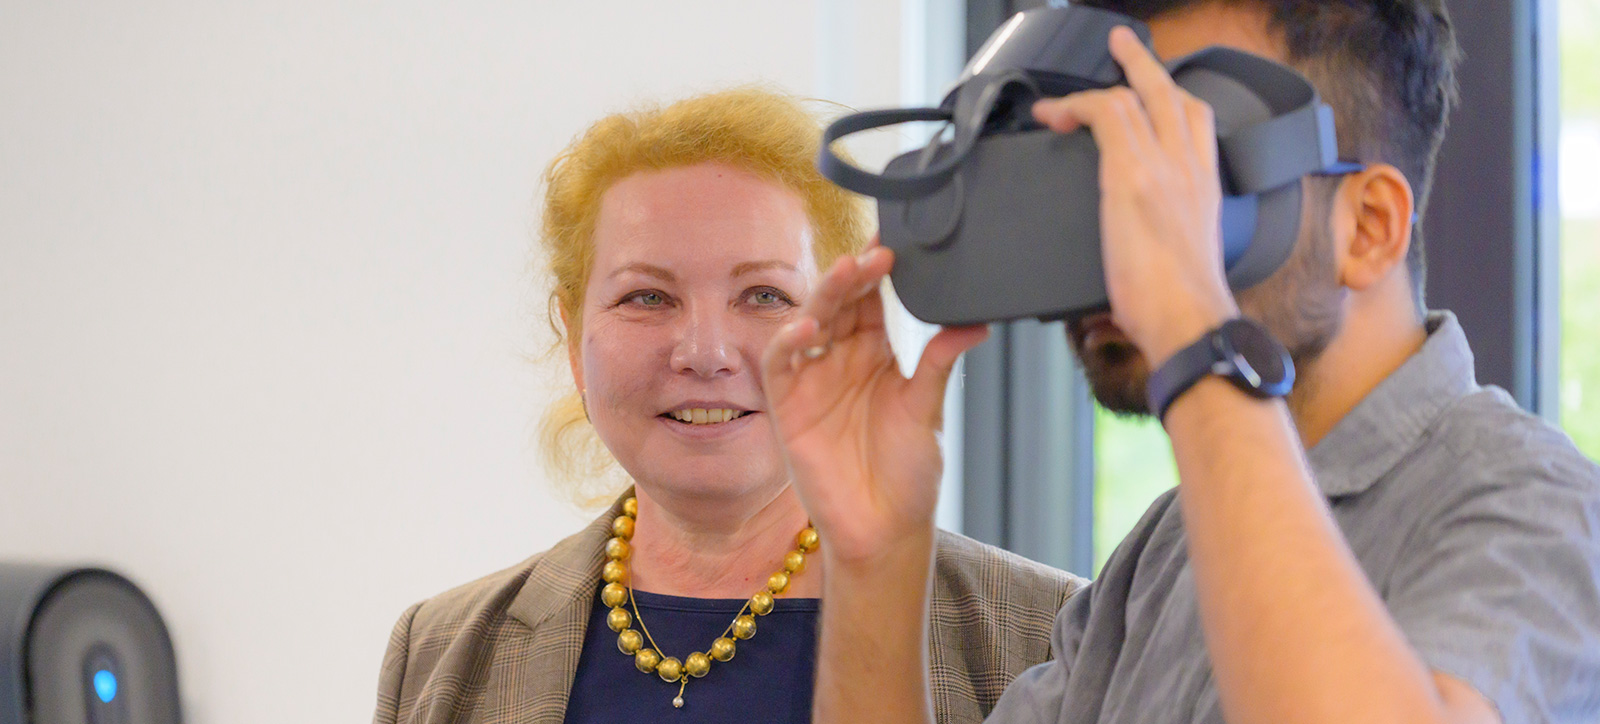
(1133, 465)
(1579, 165)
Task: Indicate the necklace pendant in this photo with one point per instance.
(678, 702)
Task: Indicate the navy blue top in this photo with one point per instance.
(769, 679)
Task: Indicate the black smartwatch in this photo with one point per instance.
(1241, 350)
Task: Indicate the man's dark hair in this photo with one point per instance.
(1386, 66)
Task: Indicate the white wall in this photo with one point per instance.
(265, 303)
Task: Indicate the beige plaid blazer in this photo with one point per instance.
(504, 649)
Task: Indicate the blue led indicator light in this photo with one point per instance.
(105, 685)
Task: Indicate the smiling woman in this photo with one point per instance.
(694, 268)
(765, 134)
(681, 239)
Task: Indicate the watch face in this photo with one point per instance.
(1263, 364)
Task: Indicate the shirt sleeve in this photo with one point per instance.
(1500, 589)
(1040, 694)
(1036, 696)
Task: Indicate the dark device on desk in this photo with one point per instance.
(82, 646)
(1002, 220)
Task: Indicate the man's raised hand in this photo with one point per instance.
(862, 440)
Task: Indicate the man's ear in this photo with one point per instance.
(1372, 222)
(574, 347)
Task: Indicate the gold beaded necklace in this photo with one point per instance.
(617, 592)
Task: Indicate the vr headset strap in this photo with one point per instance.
(1255, 159)
(969, 116)
(1272, 153)
(851, 177)
(1268, 155)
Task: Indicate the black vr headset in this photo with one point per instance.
(1002, 220)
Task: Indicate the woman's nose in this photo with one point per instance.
(705, 344)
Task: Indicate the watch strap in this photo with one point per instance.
(1180, 372)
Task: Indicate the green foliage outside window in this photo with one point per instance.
(1133, 465)
(1580, 228)
(1580, 337)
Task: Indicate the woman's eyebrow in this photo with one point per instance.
(646, 269)
(750, 267)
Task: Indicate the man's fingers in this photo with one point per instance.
(836, 302)
(938, 359)
(1057, 114)
(1160, 96)
(845, 303)
(830, 304)
(792, 339)
(1120, 127)
(829, 297)
(847, 282)
(778, 367)
(1203, 127)
(1083, 109)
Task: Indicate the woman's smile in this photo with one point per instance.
(694, 270)
(713, 424)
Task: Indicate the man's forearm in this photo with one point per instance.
(873, 650)
(1295, 631)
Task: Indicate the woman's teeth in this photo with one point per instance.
(698, 416)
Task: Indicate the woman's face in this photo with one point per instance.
(695, 269)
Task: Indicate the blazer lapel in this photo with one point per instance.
(555, 603)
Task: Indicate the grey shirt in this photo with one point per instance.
(1478, 524)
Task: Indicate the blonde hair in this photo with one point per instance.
(767, 133)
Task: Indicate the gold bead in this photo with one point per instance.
(630, 507)
(622, 527)
(614, 572)
(670, 669)
(761, 603)
(630, 641)
(619, 619)
(646, 660)
(778, 582)
(744, 626)
(697, 665)
(613, 595)
(794, 561)
(618, 549)
(808, 540)
(722, 649)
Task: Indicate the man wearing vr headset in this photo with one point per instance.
(1391, 543)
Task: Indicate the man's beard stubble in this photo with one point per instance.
(1116, 370)
(1302, 304)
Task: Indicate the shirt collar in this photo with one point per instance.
(1391, 420)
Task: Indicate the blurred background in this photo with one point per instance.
(272, 335)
